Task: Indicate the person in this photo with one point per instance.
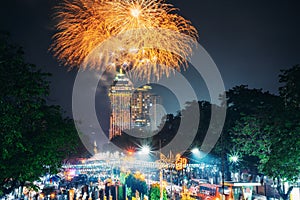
(241, 196)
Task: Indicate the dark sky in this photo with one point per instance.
(250, 41)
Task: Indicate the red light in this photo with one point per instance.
(130, 151)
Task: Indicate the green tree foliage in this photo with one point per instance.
(290, 91)
(33, 134)
(270, 132)
(243, 101)
(154, 192)
(275, 144)
(136, 182)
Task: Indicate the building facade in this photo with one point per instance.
(141, 103)
(120, 95)
(131, 107)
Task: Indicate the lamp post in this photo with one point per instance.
(195, 151)
(234, 159)
(145, 151)
(198, 157)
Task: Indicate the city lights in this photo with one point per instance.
(130, 152)
(145, 150)
(195, 151)
(233, 157)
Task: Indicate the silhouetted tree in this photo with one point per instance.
(33, 135)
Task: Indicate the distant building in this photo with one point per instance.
(120, 95)
(142, 103)
(132, 108)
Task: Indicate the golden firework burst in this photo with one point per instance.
(146, 36)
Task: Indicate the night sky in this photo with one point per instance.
(250, 41)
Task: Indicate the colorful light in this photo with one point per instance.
(135, 12)
(100, 34)
(130, 151)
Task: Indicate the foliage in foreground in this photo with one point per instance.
(155, 192)
(269, 129)
(136, 182)
(34, 137)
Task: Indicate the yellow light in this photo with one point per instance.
(52, 195)
(164, 183)
(184, 162)
(135, 12)
(130, 152)
(87, 28)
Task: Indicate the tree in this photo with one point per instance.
(154, 192)
(274, 143)
(290, 91)
(241, 101)
(271, 134)
(136, 182)
(34, 137)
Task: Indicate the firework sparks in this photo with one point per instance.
(146, 36)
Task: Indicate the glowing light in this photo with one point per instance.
(130, 151)
(195, 151)
(180, 163)
(52, 195)
(234, 158)
(86, 28)
(135, 12)
(145, 150)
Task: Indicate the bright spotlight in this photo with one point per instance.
(195, 151)
(145, 150)
(234, 158)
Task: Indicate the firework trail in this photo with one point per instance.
(145, 36)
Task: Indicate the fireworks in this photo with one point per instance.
(145, 36)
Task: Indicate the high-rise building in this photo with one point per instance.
(130, 107)
(120, 95)
(143, 112)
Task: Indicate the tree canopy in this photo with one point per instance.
(35, 137)
(271, 131)
(267, 127)
(290, 91)
(136, 182)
